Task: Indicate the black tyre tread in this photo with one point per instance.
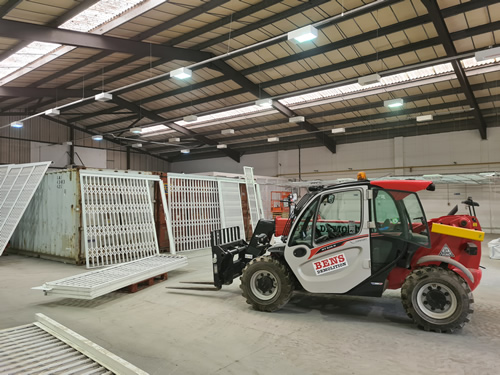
(440, 274)
(287, 283)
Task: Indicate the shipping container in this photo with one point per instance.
(52, 225)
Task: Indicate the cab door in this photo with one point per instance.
(329, 246)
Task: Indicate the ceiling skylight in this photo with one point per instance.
(225, 114)
(39, 53)
(98, 14)
(26, 56)
(384, 81)
(153, 129)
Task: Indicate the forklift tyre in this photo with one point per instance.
(437, 299)
(267, 284)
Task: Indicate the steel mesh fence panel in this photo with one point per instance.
(118, 221)
(194, 210)
(47, 347)
(95, 283)
(19, 185)
(3, 173)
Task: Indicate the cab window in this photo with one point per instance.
(339, 215)
(303, 232)
(400, 214)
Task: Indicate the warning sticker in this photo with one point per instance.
(446, 252)
(330, 264)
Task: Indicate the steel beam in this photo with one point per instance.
(8, 6)
(223, 21)
(266, 21)
(28, 92)
(291, 12)
(348, 41)
(447, 42)
(255, 90)
(109, 139)
(32, 32)
(367, 133)
(153, 116)
(59, 21)
(166, 109)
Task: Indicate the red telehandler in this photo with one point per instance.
(361, 238)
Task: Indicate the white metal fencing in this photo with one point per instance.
(19, 183)
(117, 215)
(95, 283)
(47, 347)
(194, 210)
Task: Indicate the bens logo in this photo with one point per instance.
(330, 264)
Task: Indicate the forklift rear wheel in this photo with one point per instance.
(437, 299)
(267, 284)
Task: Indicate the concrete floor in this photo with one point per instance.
(190, 332)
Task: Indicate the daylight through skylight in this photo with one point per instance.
(88, 20)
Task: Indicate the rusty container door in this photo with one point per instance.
(246, 212)
(160, 221)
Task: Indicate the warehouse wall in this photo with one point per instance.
(428, 154)
(42, 139)
(438, 153)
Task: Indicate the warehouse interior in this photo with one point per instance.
(214, 101)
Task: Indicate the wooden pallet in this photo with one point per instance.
(145, 283)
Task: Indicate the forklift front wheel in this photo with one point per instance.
(267, 284)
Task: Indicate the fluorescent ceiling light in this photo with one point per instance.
(181, 73)
(303, 34)
(174, 140)
(227, 131)
(487, 54)
(103, 97)
(137, 145)
(297, 119)
(135, 130)
(185, 151)
(221, 146)
(264, 103)
(369, 80)
(190, 118)
(52, 112)
(394, 103)
(424, 118)
(338, 130)
(273, 139)
(97, 137)
(16, 124)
